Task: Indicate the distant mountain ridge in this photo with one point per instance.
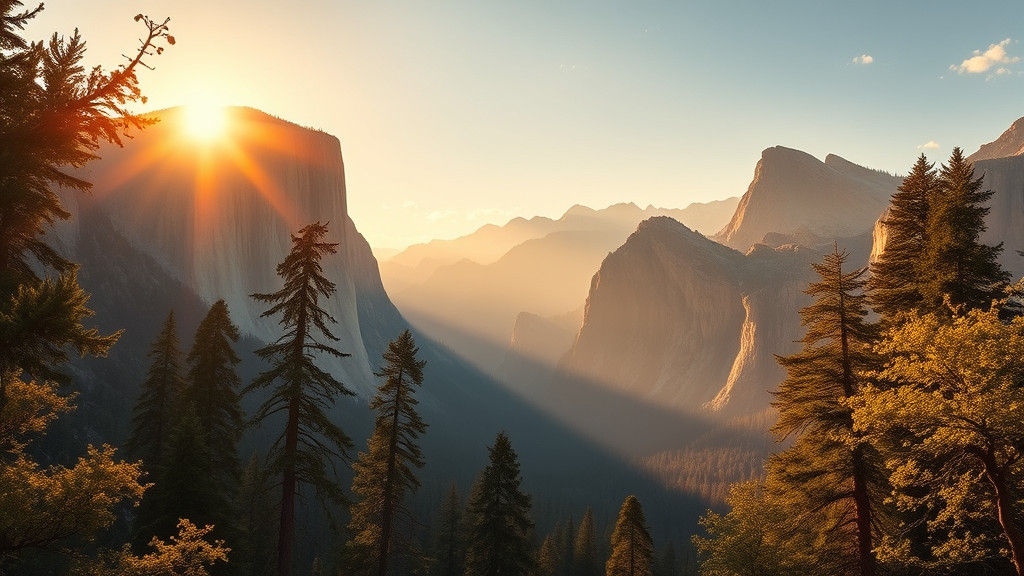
(794, 193)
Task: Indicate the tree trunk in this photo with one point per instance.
(286, 534)
(862, 504)
(1006, 513)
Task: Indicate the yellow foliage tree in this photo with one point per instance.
(959, 394)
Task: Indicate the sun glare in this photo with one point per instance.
(204, 122)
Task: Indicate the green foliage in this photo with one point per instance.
(500, 529)
(963, 271)
(759, 536)
(632, 547)
(957, 406)
(386, 472)
(899, 275)
(157, 407)
(837, 474)
(450, 543)
(584, 550)
(300, 390)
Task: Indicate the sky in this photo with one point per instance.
(456, 114)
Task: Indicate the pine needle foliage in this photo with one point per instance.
(500, 529)
(300, 390)
(385, 474)
(632, 546)
(899, 274)
(838, 473)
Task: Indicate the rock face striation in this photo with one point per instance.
(1001, 163)
(217, 217)
(797, 195)
(680, 320)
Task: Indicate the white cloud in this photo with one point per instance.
(994, 57)
(864, 59)
(929, 145)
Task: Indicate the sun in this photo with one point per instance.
(204, 122)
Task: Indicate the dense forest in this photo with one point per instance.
(898, 434)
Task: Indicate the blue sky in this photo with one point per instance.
(453, 114)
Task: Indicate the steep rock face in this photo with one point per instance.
(679, 320)
(794, 193)
(1004, 175)
(1009, 143)
(218, 216)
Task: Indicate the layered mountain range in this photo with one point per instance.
(174, 223)
(464, 294)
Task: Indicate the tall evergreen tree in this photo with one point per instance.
(450, 549)
(300, 390)
(500, 529)
(53, 116)
(632, 547)
(157, 406)
(212, 389)
(835, 468)
(549, 557)
(584, 552)
(386, 472)
(963, 269)
(899, 273)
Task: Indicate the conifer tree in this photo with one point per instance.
(158, 403)
(834, 467)
(584, 553)
(300, 390)
(962, 269)
(899, 273)
(55, 114)
(500, 529)
(212, 389)
(549, 558)
(386, 472)
(632, 547)
(450, 549)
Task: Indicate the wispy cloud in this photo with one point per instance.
(864, 59)
(929, 145)
(994, 61)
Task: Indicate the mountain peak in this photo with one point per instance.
(1009, 143)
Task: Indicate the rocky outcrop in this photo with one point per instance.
(1009, 143)
(795, 194)
(217, 217)
(679, 320)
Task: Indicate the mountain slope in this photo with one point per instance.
(679, 320)
(795, 194)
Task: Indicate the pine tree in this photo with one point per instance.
(899, 274)
(962, 268)
(55, 114)
(386, 472)
(838, 472)
(549, 558)
(157, 406)
(500, 529)
(212, 389)
(584, 553)
(184, 487)
(450, 549)
(253, 552)
(301, 390)
(632, 547)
